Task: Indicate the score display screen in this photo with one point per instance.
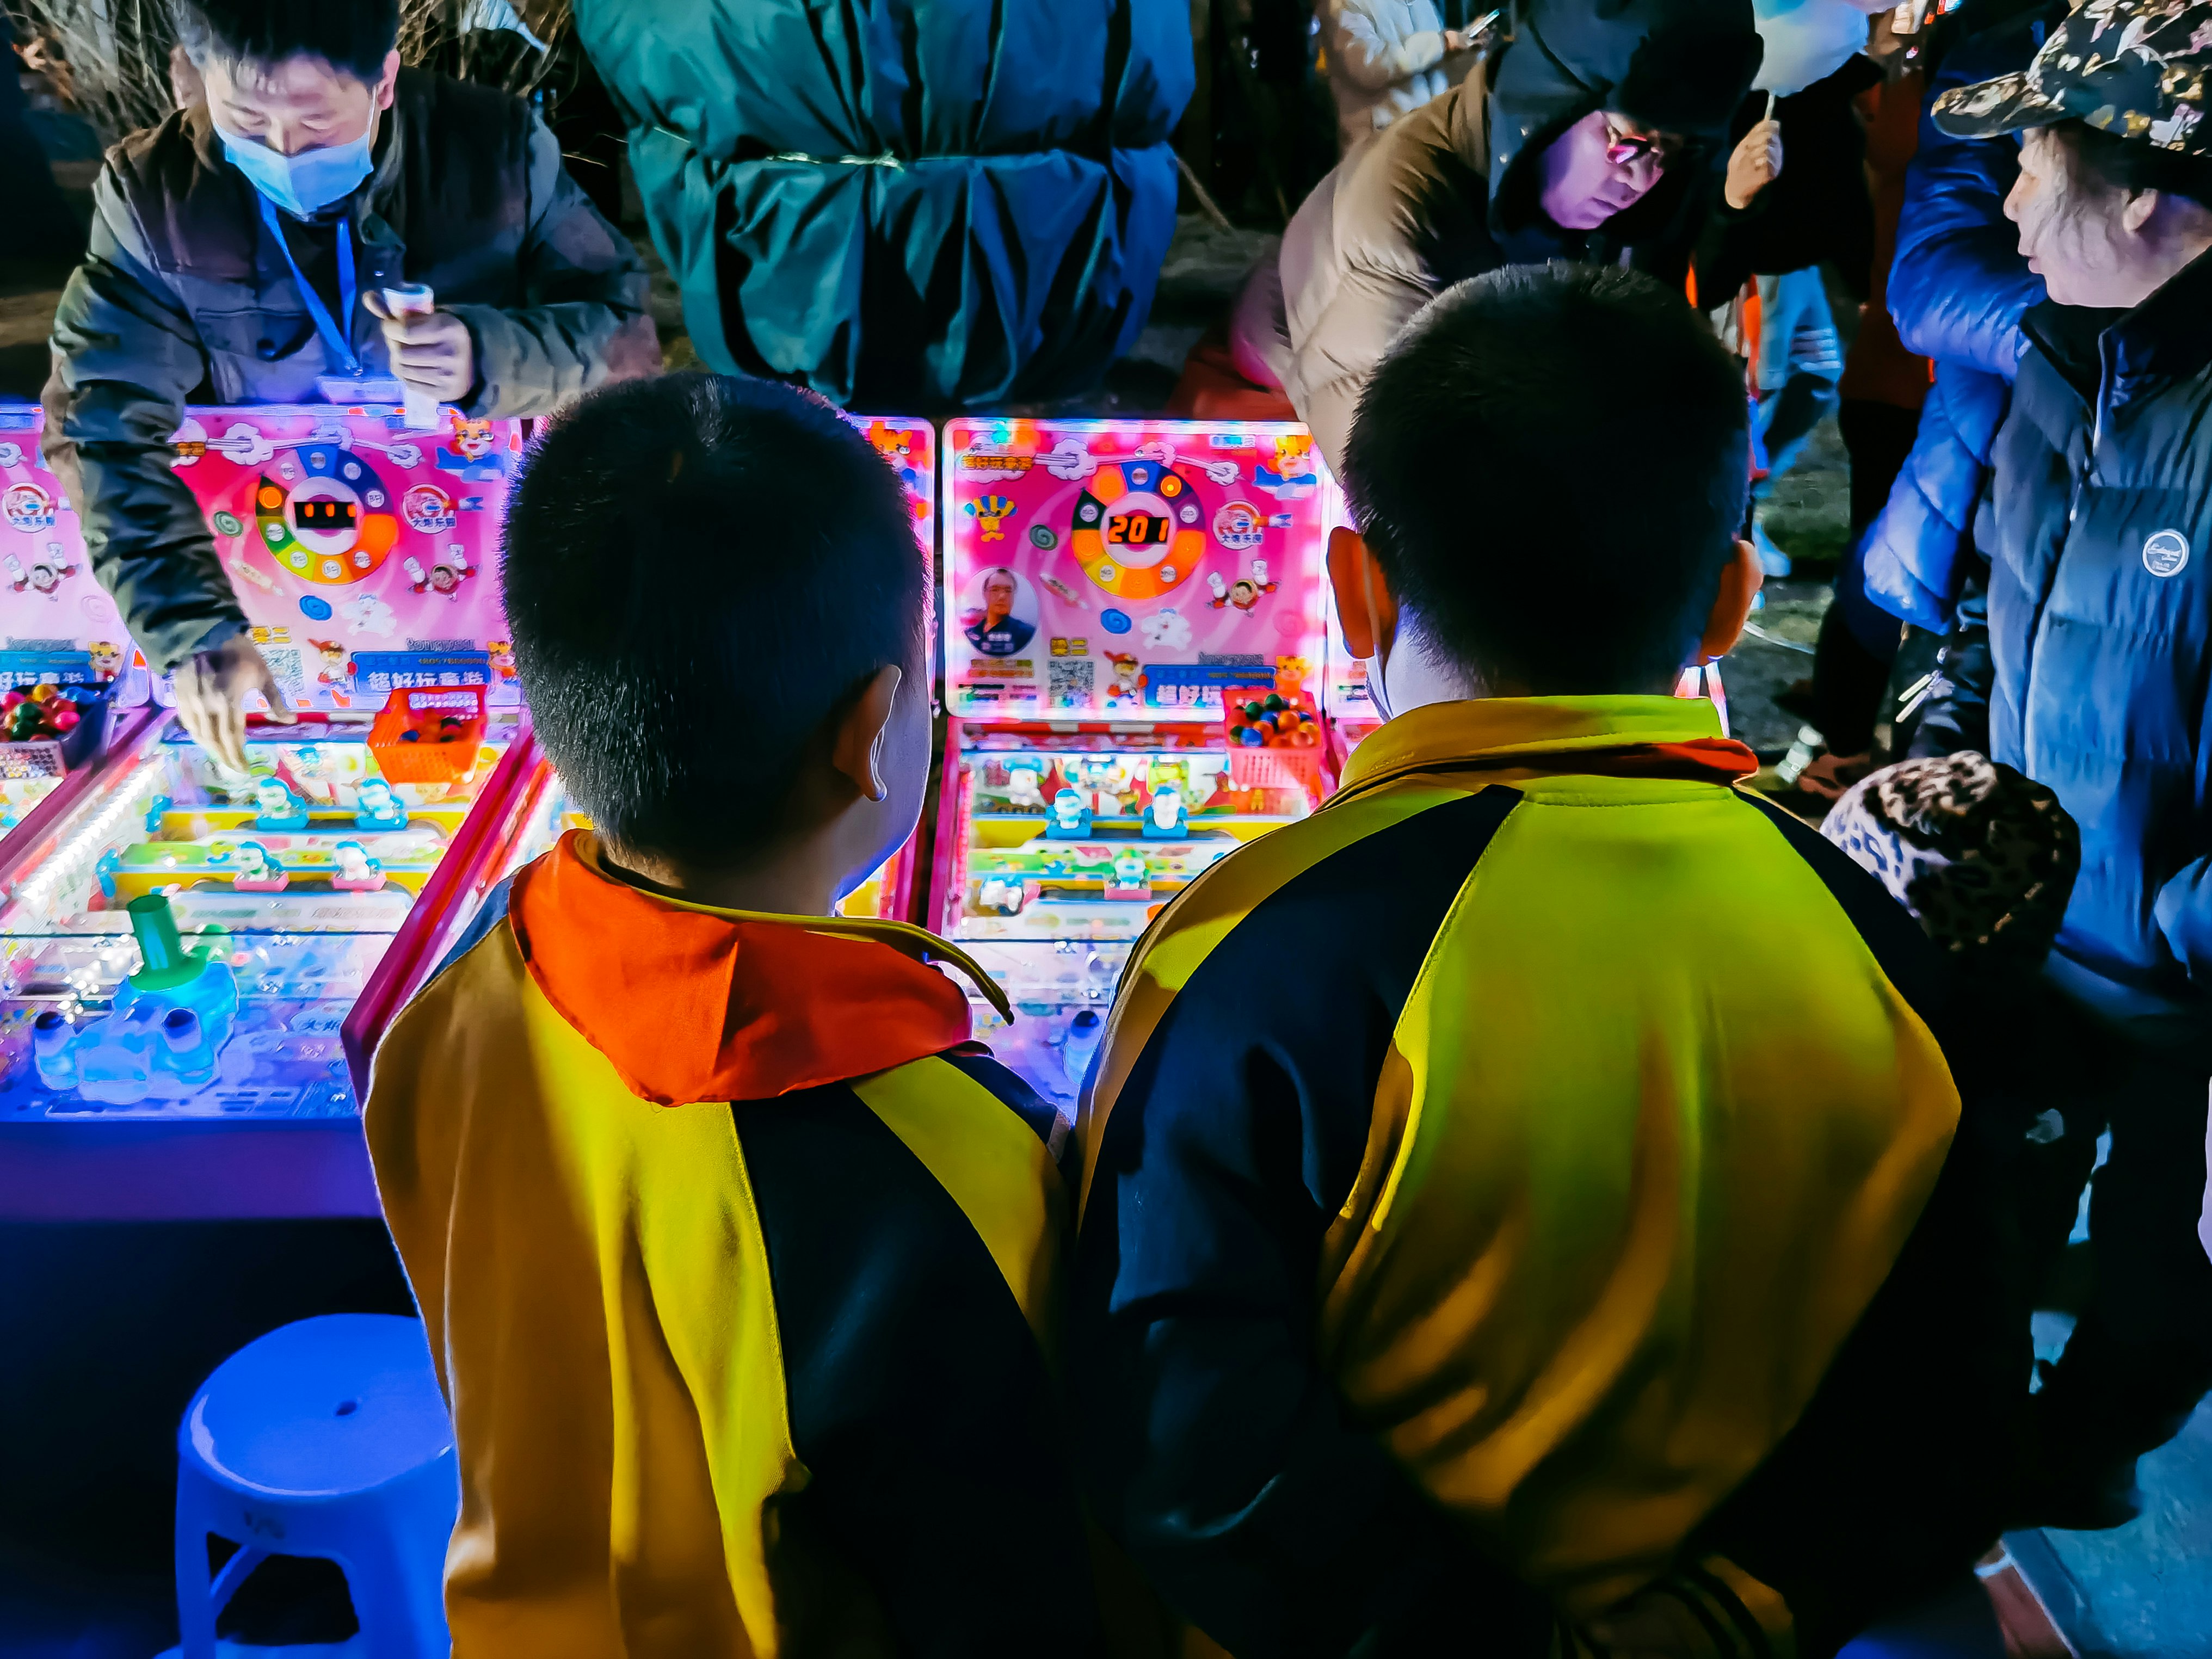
(1138, 530)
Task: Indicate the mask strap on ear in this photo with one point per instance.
(1377, 694)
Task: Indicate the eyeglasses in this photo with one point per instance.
(1623, 147)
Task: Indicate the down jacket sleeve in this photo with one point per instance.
(1918, 551)
(125, 357)
(1960, 285)
(585, 321)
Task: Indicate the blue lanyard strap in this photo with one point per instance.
(338, 339)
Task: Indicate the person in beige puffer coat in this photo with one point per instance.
(1595, 133)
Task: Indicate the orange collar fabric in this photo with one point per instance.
(693, 1004)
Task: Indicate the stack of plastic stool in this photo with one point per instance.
(328, 1439)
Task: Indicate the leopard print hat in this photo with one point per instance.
(1983, 857)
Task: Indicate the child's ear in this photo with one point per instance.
(1365, 608)
(1741, 580)
(858, 748)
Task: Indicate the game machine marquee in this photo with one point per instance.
(73, 691)
(1132, 630)
(187, 955)
(908, 445)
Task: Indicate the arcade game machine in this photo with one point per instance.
(544, 811)
(910, 447)
(1133, 619)
(73, 690)
(182, 951)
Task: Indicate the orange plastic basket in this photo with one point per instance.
(413, 741)
(1271, 767)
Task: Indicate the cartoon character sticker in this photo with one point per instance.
(26, 506)
(1128, 679)
(447, 571)
(1292, 475)
(428, 509)
(44, 575)
(991, 513)
(1244, 592)
(1239, 526)
(472, 453)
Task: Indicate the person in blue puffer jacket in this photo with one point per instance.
(2096, 522)
(1956, 292)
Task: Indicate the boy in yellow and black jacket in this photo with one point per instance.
(738, 1260)
(1526, 1208)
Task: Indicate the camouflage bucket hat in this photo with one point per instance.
(2134, 68)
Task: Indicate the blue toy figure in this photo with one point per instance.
(1132, 878)
(170, 1021)
(375, 807)
(1167, 819)
(1069, 819)
(1025, 785)
(258, 870)
(154, 809)
(280, 808)
(357, 873)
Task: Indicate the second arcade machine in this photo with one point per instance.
(1132, 637)
(544, 811)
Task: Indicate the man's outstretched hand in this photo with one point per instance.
(211, 687)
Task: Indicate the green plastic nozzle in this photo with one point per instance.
(164, 962)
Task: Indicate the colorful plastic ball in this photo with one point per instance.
(1249, 737)
(43, 693)
(11, 700)
(67, 719)
(1274, 703)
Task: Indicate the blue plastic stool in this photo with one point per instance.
(329, 1438)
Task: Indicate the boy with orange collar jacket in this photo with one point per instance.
(1526, 1208)
(738, 1257)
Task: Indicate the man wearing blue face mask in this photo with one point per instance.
(240, 254)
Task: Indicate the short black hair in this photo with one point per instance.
(352, 35)
(2128, 165)
(1551, 465)
(701, 572)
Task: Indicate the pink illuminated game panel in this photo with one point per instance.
(1133, 637)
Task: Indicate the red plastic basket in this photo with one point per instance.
(437, 753)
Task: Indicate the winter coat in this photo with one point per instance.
(1956, 292)
(185, 297)
(904, 205)
(1385, 58)
(1450, 190)
(2098, 525)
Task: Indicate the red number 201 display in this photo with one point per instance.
(1137, 529)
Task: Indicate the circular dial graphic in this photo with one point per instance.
(1139, 530)
(335, 525)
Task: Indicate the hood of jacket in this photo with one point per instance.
(1673, 66)
(692, 1003)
